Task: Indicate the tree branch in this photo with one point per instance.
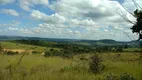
(125, 18)
(127, 10)
(136, 4)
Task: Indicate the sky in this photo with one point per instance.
(70, 19)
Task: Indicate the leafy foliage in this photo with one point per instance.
(137, 27)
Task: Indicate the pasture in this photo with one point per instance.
(76, 67)
(37, 67)
(21, 48)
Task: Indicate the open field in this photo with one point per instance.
(10, 46)
(66, 62)
(21, 47)
(37, 67)
(132, 49)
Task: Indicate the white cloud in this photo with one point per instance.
(13, 29)
(14, 23)
(19, 30)
(94, 10)
(54, 18)
(10, 12)
(84, 22)
(25, 31)
(6, 1)
(58, 26)
(76, 20)
(79, 19)
(27, 4)
(105, 11)
(56, 31)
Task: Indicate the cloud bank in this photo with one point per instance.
(78, 19)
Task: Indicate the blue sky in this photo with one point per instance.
(77, 19)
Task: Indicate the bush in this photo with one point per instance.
(11, 53)
(66, 54)
(123, 76)
(47, 54)
(51, 52)
(35, 52)
(119, 49)
(111, 77)
(126, 76)
(62, 53)
(96, 65)
(1, 48)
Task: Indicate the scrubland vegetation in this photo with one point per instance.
(66, 61)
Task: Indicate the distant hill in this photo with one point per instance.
(104, 42)
(107, 41)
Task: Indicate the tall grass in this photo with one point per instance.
(36, 67)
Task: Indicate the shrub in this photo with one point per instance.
(11, 53)
(96, 65)
(35, 52)
(62, 53)
(126, 76)
(51, 52)
(66, 54)
(119, 49)
(111, 77)
(1, 48)
(47, 54)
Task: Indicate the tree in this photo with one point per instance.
(137, 26)
(1, 48)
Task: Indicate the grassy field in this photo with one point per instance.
(10, 46)
(37, 67)
(132, 49)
